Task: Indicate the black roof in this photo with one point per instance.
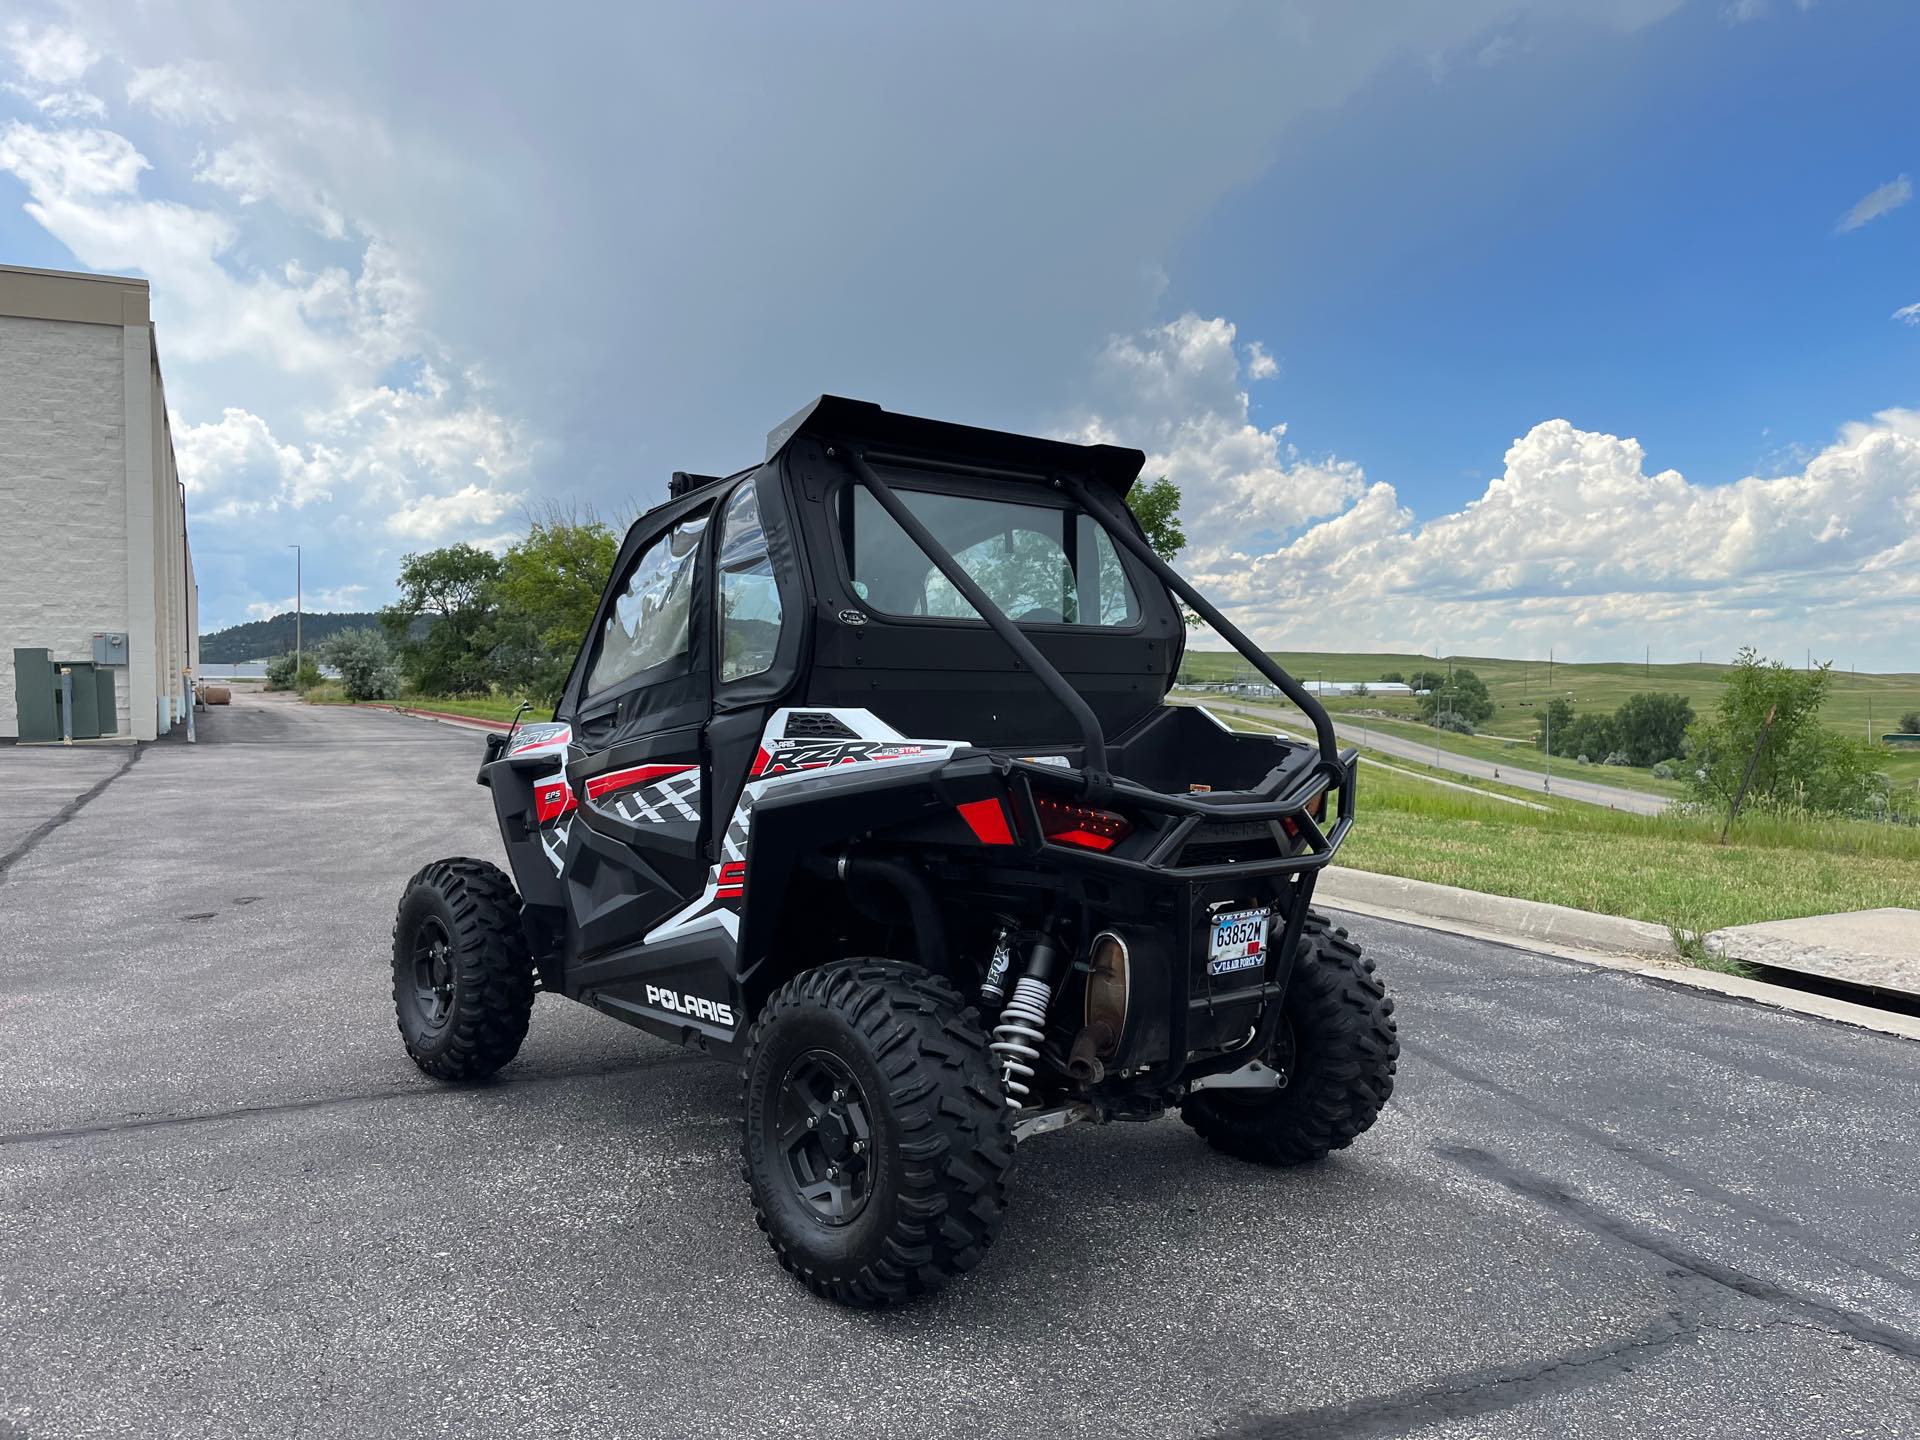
(861, 422)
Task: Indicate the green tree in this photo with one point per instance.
(1393, 677)
(454, 590)
(549, 588)
(1802, 764)
(1426, 680)
(1552, 722)
(1593, 735)
(1910, 723)
(1650, 727)
(1156, 505)
(365, 662)
(1462, 694)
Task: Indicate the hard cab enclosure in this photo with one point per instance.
(900, 690)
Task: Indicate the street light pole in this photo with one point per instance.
(296, 612)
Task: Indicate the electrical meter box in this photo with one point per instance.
(110, 649)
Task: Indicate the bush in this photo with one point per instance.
(1617, 757)
(1452, 722)
(1910, 723)
(307, 676)
(366, 665)
(280, 673)
(1663, 771)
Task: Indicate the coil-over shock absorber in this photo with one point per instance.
(1022, 1028)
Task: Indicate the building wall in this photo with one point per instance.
(93, 524)
(63, 495)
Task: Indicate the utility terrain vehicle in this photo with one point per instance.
(866, 779)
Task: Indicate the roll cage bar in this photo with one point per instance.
(1095, 776)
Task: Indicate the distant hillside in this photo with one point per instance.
(263, 639)
(1518, 686)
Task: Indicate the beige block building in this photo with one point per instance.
(93, 521)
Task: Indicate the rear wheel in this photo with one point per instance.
(1340, 1071)
(876, 1140)
(462, 971)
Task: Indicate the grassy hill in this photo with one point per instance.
(263, 639)
(1519, 686)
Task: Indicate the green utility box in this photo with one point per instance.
(86, 700)
(35, 687)
(37, 693)
(109, 709)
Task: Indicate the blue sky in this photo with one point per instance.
(1480, 327)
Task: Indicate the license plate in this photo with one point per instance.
(1239, 941)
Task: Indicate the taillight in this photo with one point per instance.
(1066, 823)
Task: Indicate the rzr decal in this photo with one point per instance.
(783, 757)
(784, 761)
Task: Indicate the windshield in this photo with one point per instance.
(1041, 564)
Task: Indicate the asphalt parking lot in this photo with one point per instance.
(1597, 1206)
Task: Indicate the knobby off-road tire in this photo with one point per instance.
(1345, 1046)
(885, 1052)
(462, 970)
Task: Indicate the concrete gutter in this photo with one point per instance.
(447, 717)
(1877, 948)
(1606, 941)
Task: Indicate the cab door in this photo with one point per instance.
(636, 769)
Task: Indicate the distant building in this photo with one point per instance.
(95, 568)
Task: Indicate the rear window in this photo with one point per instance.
(1041, 564)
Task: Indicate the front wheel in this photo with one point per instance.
(877, 1141)
(1345, 1048)
(462, 970)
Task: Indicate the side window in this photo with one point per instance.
(648, 626)
(749, 598)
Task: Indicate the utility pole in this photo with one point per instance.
(1649, 662)
(296, 612)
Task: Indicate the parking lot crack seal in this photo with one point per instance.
(1685, 1263)
(1469, 1394)
(1679, 1174)
(323, 1102)
(65, 813)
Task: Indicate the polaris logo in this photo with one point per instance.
(696, 1007)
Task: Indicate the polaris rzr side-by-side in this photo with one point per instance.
(866, 778)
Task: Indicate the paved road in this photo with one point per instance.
(228, 1206)
(1568, 787)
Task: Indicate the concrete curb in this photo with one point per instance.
(1604, 941)
(1530, 920)
(446, 717)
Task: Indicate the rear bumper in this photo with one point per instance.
(1177, 838)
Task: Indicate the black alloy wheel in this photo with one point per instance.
(826, 1136)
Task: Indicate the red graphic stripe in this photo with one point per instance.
(731, 883)
(633, 775)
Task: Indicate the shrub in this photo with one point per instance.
(1910, 723)
(280, 673)
(1452, 722)
(1617, 757)
(1663, 771)
(366, 665)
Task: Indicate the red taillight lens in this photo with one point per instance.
(1065, 823)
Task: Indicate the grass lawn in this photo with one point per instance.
(1667, 869)
(1492, 748)
(1518, 687)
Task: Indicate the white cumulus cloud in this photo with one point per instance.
(1879, 201)
(50, 55)
(1575, 543)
